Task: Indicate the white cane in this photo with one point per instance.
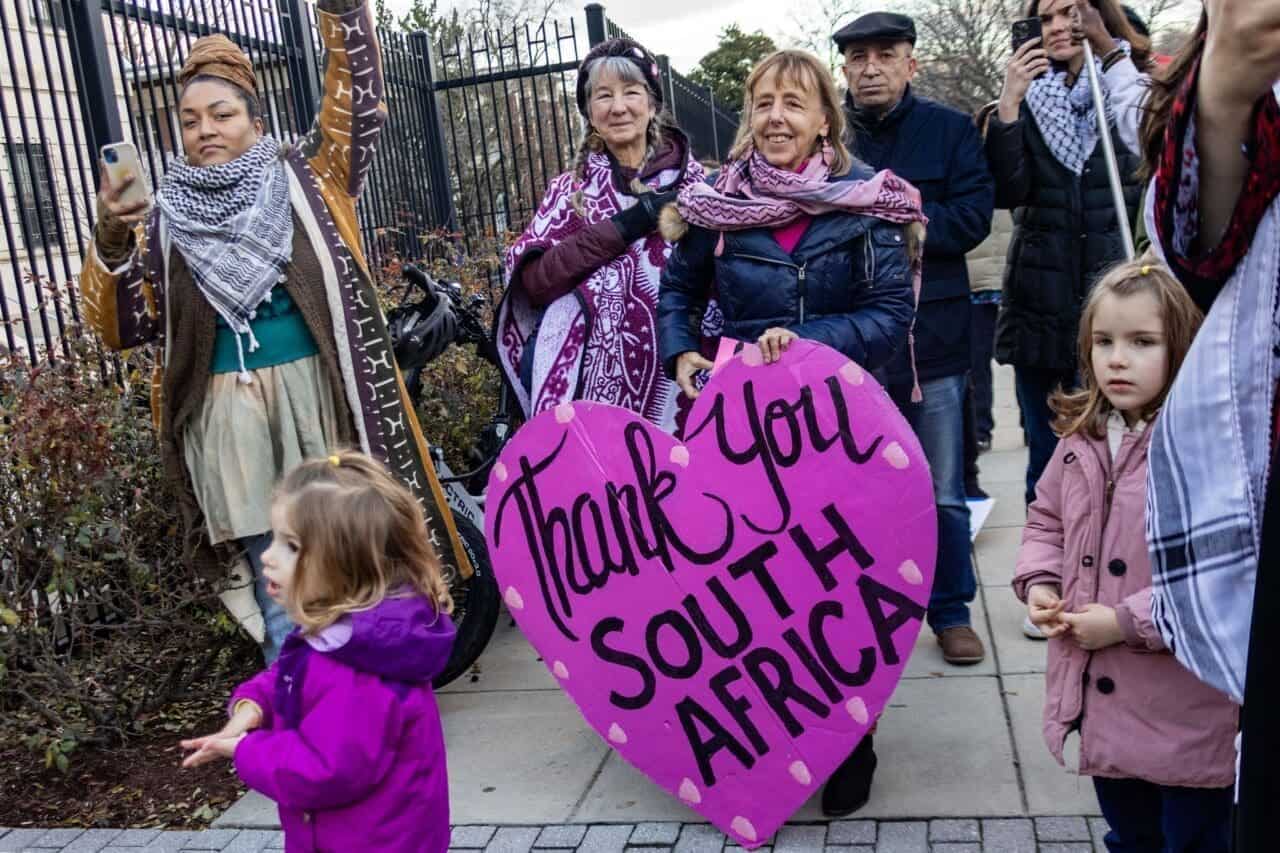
(1109, 153)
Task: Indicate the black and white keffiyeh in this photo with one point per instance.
(1065, 114)
(234, 227)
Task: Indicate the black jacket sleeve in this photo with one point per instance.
(963, 219)
(1007, 157)
(682, 296)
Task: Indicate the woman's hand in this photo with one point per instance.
(1241, 53)
(1241, 62)
(1044, 607)
(114, 215)
(1095, 627)
(210, 748)
(688, 364)
(1094, 29)
(1028, 62)
(641, 219)
(774, 342)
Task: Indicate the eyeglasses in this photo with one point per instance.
(859, 63)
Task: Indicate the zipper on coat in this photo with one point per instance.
(801, 280)
(800, 275)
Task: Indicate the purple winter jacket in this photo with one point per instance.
(1139, 713)
(351, 747)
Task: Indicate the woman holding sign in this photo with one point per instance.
(249, 276)
(577, 321)
(800, 243)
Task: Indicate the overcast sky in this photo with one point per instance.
(686, 30)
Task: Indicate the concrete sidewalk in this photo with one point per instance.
(955, 743)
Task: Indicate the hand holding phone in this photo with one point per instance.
(1025, 30)
(1028, 62)
(123, 194)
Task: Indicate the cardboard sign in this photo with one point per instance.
(730, 612)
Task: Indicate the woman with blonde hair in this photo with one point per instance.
(799, 242)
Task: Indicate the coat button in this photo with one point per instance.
(1087, 561)
(1117, 567)
(306, 817)
(1069, 458)
(1106, 686)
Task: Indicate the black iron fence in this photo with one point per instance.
(480, 123)
(711, 127)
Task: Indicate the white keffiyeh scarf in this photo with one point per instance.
(234, 227)
(1066, 116)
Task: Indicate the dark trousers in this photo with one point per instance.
(1260, 735)
(1148, 818)
(938, 421)
(982, 324)
(1034, 385)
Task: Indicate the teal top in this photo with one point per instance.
(281, 331)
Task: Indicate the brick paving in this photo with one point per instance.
(943, 835)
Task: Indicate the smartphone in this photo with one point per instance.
(1025, 30)
(121, 160)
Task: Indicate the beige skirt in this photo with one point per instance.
(247, 436)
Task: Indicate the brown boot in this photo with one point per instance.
(961, 646)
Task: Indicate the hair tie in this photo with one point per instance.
(334, 460)
(1146, 269)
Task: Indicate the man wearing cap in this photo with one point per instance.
(938, 150)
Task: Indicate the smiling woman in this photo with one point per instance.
(577, 320)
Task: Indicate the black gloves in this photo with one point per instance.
(642, 217)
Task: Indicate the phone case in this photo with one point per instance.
(1026, 30)
(127, 163)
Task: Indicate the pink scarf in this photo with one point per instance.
(750, 193)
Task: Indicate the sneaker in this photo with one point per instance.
(1031, 630)
(984, 444)
(961, 646)
(849, 787)
(974, 492)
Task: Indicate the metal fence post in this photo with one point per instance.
(715, 130)
(664, 68)
(597, 31)
(304, 69)
(97, 92)
(444, 214)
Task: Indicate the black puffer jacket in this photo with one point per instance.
(1065, 235)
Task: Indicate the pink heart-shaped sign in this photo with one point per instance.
(730, 612)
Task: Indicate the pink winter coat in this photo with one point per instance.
(1140, 714)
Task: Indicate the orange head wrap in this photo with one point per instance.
(218, 56)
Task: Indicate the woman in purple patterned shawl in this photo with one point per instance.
(578, 321)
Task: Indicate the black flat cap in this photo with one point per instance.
(877, 26)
